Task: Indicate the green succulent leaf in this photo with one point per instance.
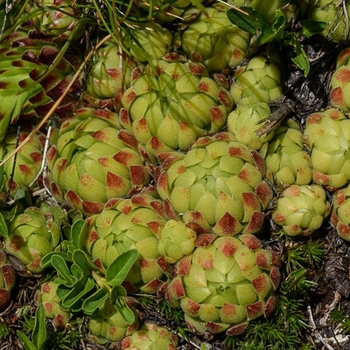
(39, 331)
(62, 290)
(27, 343)
(91, 303)
(46, 260)
(76, 271)
(83, 286)
(118, 270)
(311, 27)
(78, 233)
(81, 259)
(246, 18)
(124, 310)
(300, 58)
(38, 334)
(3, 226)
(116, 292)
(59, 263)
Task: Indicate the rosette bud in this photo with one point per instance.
(301, 209)
(150, 337)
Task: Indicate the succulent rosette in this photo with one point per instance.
(93, 160)
(130, 223)
(225, 284)
(33, 234)
(287, 161)
(176, 240)
(47, 296)
(109, 76)
(340, 82)
(213, 40)
(301, 209)
(327, 135)
(148, 42)
(107, 325)
(150, 337)
(7, 280)
(258, 81)
(267, 9)
(217, 184)
(23, 171)
(58, 19)
(340, 217)
(334, 15)
(245, 120)
(172, 102)
(167, 11)
(28, 87)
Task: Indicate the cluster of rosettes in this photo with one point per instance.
(146, 161)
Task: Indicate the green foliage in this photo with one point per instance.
(303, 254)
(62, 340)
(4, 330)
(38, 336)
(81, 287)
(276, 34)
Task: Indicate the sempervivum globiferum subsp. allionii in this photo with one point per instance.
(29, 81)
(327, 135)
(334, 14)
(172, 102)
(225, 284)
(218, 184)
(107, 325)
(124, 224)
(22, 171)
(93, 160)
(257, 81)
(150, 336)
(31, 235)
(213, 40)
(244, 121)
(108, 76)
(301, 209)
(287, 160)
(47, 296)
(340, 82)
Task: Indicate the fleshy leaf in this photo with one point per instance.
(39, 331)
(83, 262)
(311, 27)
(78, 233)
(91, 303)
(62, 269)
(246, 18)
(116, 292)
(118, 270)
(82, 287)
(3, 226)
(28, 345)
(46, 260)
(124, 310)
